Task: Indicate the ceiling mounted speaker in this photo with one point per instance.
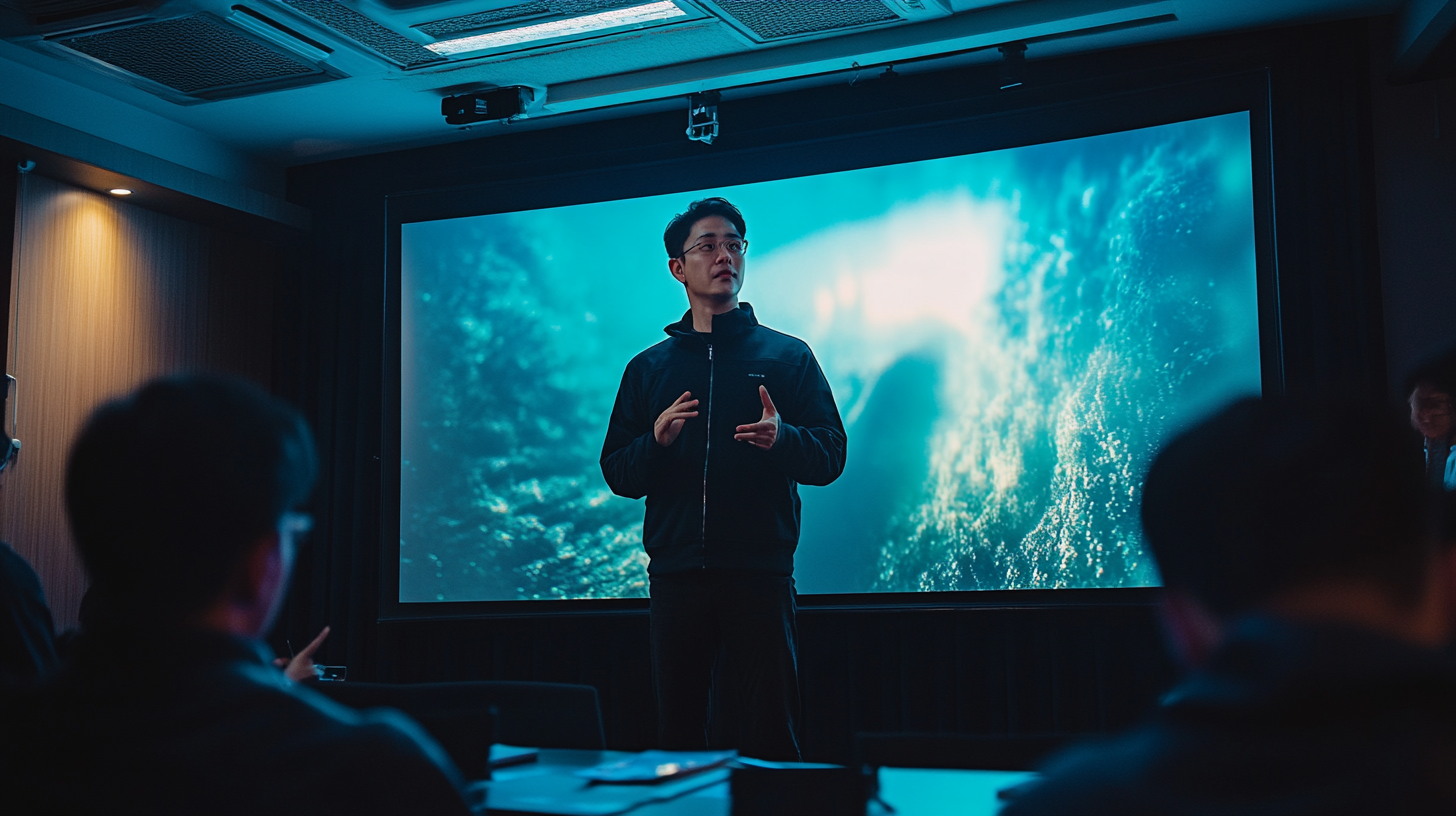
(194, 59)
(805, 19)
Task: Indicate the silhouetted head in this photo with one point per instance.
(1279, 494)
(1431, 389)
(168, 489)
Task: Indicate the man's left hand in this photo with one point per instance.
(763, 433)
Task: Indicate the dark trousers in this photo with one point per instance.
(726, 641)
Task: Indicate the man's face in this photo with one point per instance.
(1431, 412)
(710, 274)
(291, 529)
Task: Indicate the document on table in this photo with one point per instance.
(654, 767)
(569, 795)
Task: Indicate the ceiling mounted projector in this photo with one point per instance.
(492, 105)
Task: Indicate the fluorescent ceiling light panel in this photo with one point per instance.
(574, 27)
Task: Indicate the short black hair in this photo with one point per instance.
(167, 487)
(1272, 494)
(1438, 373)
(675, 237)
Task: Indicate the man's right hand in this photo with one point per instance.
(301, 666)
(670, 423)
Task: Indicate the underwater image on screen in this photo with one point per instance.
(1009, 337)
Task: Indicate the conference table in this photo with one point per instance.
(550, 786)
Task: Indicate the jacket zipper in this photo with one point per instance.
(707, 450)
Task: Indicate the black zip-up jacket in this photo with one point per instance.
(714, 502)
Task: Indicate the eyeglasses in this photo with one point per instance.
(295, 523)
(1431, 402)
(735, 247)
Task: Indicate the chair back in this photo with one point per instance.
(465, 728)
(539, 715)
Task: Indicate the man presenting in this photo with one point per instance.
(717, 426)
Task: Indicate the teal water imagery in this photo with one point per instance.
(1010, 336)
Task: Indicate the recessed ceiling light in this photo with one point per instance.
(576, 26)
(120, 191)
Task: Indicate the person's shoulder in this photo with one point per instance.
(310, 717)
(14, 567)
(652, 355)
(378, 729)
(1106, 775)
(783, 343)
(235, 738)
(377, 760)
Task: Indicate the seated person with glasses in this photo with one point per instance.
(182, 500)
(27, 632)
(1306, 586)
(1430, 390)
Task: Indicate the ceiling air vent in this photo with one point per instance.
(194, 59)
(391, 45)
(42, 16)
(799, 19)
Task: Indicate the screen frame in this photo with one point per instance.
(1046, 115)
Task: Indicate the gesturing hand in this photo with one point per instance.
(300, 666)
(763, 433)
(670, 423)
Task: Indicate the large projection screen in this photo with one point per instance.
(1009, 335)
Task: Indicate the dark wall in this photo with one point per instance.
(1080, 665)
(1415, 163)
(1009, 666)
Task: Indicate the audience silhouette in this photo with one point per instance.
(1309, 585)
(1430, 391)
(27, 630)
(1308, 590)
(183, 502)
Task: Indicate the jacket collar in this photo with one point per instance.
(727, 326)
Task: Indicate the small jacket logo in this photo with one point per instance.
(760, 376)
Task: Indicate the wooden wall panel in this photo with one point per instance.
(105, 295)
